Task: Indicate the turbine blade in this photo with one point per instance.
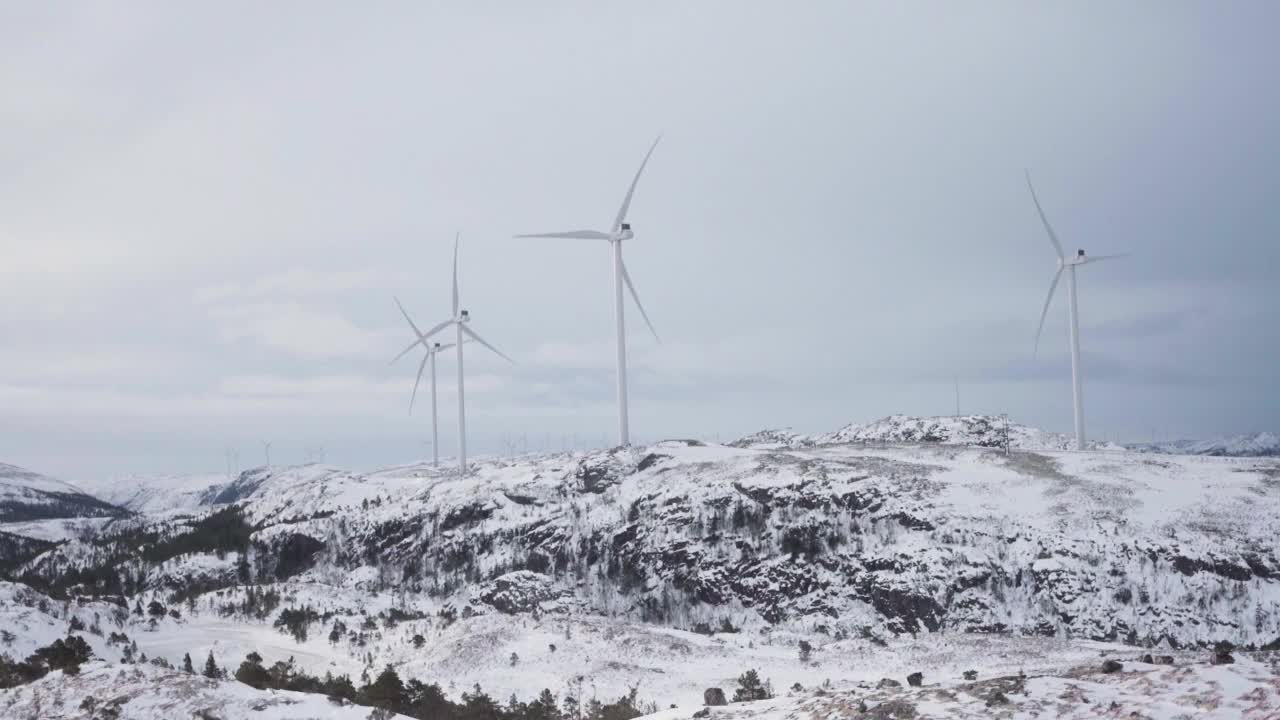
(572, 234)
(1097, 258)
(418, 380)
(404, 352)
(1052, 286)
(1053, 237)
(435, 330)
(626, 201)
(408, 319)
(477, 338)
(626, 277)
(455, 274)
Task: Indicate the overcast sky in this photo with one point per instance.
(205, 210)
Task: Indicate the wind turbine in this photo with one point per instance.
(1068, 264)
(621, 231)
(460, 320)
(433, 349)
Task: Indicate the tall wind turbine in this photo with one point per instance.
(620, 231)
(460, 320)
(1068, 264)
(433, 349)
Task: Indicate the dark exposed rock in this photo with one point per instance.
(1147, 659)
(1112, 666)
(704, 712)
(893, 710)
(1164, 660)
(596, 478)
(714, 696)
(997, 698)
(518, 592)
(915, 679)
(888, 683)
(1221, 657)
(467, 514)
(650, 460)
(970, 675)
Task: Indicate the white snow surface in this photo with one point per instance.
(1262, 444)
(903, 545)
(146, 692)
(1248, 689)
(156, 493)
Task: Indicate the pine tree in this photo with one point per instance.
(211, 668)
(385, 692)
(186, 664)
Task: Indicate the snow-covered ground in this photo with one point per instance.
(1248, 689)
(911, 544)
(1262, 444)
(146, 692)
(27, 495)
(156, 493)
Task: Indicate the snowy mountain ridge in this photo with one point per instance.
(1261, 444)
(26, 495)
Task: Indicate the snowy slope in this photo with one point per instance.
(681, 564)
(843, 537)
(25, 495)
(156, 493)
(1248, 689)
(1263, 444)
(146, 692)
(975, 430)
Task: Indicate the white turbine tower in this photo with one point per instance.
(459, 319)
(433, 349)
(621, 231)
(1068, 264)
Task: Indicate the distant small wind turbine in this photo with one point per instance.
(433, 349)
(460, 320)
(266, 449)
(621, 231)
(1069, 265)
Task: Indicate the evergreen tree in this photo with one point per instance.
(242, 567)
(750, 688)
(387, 691)
(252, 673)
(211, 669)
(186, 664)
(544, 708)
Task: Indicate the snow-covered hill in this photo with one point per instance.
(1263, 444)
(147, 692)
(25, 495)
(976, 430)
(1246, 689)
(156, 493)
(683, 563)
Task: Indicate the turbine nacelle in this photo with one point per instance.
(624, 232)
(464, 316)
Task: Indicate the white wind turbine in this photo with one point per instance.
(1069, 264)
(433, 349)
(621, 231)
(459, 319)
